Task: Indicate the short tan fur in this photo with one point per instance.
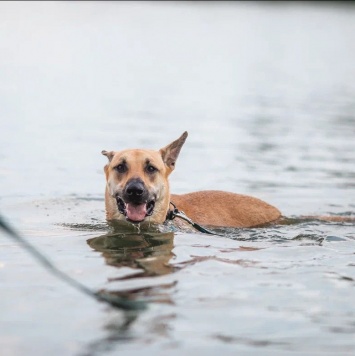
(137, 190)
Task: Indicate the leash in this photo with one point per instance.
(49, 266)
(176, 213)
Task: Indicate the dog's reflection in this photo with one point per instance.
(150, 252)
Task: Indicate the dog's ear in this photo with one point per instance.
(109, 155)
(170, 153)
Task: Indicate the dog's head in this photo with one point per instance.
(137, 180)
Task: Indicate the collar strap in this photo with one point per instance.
(171, 214)
(176, 213)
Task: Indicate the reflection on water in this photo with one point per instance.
(116, 330)
(150, 252)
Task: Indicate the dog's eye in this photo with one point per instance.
(121, 168)
(151, 169)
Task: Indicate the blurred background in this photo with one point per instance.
(265, 89)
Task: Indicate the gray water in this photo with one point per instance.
(267, 94)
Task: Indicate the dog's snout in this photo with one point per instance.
(135, 191)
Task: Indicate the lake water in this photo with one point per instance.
(267, 94)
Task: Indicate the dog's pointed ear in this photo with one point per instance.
(109, 154)
(170, 153)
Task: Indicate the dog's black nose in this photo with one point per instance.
(135, 191)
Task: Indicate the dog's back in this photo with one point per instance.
(219, 208)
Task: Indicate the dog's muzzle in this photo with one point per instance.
(135, 203)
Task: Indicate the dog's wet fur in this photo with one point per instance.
(137, 191)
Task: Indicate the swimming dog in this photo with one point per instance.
(137, 190)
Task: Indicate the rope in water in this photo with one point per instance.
(113, 300)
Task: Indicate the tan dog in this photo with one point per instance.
(137, 190)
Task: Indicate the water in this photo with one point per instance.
(266, 91)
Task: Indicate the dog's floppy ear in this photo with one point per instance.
(171, 152)
(109, 155)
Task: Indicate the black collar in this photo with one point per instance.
(176, 213)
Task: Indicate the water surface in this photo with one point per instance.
(267, 94)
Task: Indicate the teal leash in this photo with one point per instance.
(100, 296)
(176, 213)
(49, 266)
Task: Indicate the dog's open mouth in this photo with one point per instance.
(135, 213)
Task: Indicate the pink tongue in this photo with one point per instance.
(136, 212)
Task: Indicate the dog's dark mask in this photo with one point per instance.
(135, 203)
